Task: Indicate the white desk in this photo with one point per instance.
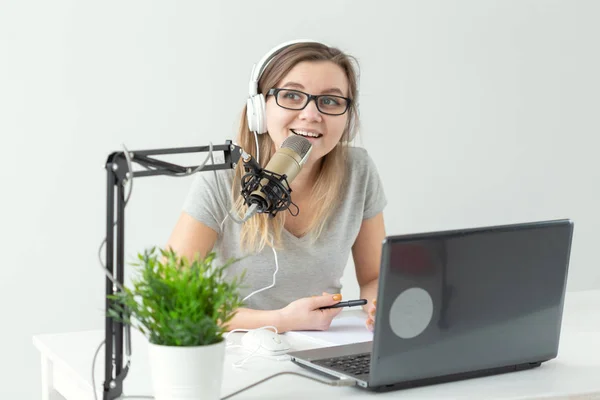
(574, 374)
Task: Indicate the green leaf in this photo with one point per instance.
(177, 302)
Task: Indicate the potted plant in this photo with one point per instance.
(182, 308)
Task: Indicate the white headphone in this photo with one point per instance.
(255, 105)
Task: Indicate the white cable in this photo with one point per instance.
(274, 274)
(108, 273)
(223, 222)
(233, 331)
(239, 363)
(276, 357)
(129, 174)
(94, 378)
(176, 174)
(248, 330)
(234, 218)
(257, 148)
(129, 177)
(127, 197)
(94, 369)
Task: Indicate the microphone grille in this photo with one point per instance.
(298, 144)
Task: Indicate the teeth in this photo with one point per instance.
(309, 134)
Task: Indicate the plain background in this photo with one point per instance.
(475, 112)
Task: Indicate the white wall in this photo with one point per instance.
(476, 112)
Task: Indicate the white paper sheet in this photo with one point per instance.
(343, 330)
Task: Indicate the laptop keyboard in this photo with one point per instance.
(356, 364)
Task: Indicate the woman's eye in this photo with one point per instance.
(291, 96)
(330, 101)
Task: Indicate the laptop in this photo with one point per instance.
(459, 304)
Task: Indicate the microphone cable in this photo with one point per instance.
(129, 182)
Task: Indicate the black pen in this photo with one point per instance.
(349, 303)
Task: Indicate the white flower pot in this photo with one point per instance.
(186, 373)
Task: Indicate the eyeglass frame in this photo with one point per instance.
(275, 92)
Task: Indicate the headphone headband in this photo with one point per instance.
(259, 68)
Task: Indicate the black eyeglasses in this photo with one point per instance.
(297, 100)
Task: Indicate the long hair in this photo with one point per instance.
(261, 230)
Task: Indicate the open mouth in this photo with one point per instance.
(306, 134)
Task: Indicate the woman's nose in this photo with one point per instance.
(311, 112)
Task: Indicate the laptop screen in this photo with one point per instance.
(458, 301)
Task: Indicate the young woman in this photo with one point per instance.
(309, 89)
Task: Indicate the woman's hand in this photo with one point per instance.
(371, 315)
(304, 314)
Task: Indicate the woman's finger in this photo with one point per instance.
(324, 301)
(370, 324)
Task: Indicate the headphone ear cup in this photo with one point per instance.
(251, 115)
(256, 114)
(261, 115)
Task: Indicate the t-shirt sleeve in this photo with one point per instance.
(375, 200)
(203, 201)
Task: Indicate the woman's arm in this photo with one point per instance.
(302, 314)
(191, 237)
(246, 318)
(366, 253)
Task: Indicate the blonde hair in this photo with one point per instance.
(261, 230)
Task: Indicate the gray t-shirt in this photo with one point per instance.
(305, 268)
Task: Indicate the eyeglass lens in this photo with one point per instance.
(295, 100)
